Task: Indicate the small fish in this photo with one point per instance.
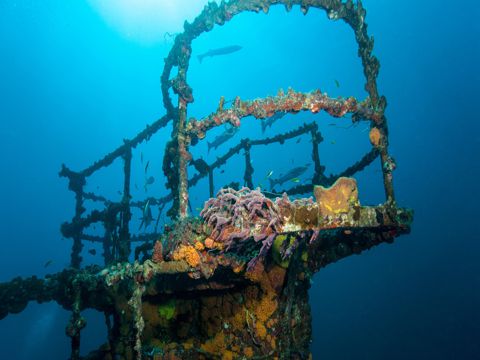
(260, 185)
(141, 158)
(92, 252)
(268, 122)
(146, 207)
(220, 51)
(198, 209)
(340, 127)
(147, 217)
(223, 171)
(290, 175)
(146, 166)
(119, 192)
(270, 173)
(222, 138)
(333, 142)
(148, 181)
(337, 83)
(298, 140)
(296, 180)
(48, 263)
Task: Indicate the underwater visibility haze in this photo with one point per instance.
(239, 180)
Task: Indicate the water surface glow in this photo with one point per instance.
(147, 21)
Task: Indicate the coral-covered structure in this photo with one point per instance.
(232, 283)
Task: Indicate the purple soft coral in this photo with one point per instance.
(238, 210)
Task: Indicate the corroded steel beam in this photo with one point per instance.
(290, 102)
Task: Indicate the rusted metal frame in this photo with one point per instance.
(318, 174)
(387, 175)
(371, 67)
(17, 293)
(69, 229)
(152, 201)
(136, 204)
(211, 187)
(112, 237)
(296, 190)
(76, 184)
(107, 244)
(144, 135)
(217, 163)
(124, 233)
(179, 56)
(75, 230)
(291, 102)
(76, 258)
(248, 164)
(133, 239)
(352, 14)
(182, 156)
(76, 322)
(217, 14)
(94, 197)
(181, 161)
(280, 138)
(366, 160)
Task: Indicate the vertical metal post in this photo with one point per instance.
(248, 165)
(181, 160)
(318, 171)
(107, 244)
(210, 181)
(387, 171)
(76, 323)
(76, 258)
(76, 184)
(124, 233)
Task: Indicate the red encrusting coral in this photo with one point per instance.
(157, 256)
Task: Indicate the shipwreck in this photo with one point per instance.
(232, 283)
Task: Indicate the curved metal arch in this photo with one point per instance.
(177, 155)
(213, 14)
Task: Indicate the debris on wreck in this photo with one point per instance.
(232, 283)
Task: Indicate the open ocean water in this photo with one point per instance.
(78, 77)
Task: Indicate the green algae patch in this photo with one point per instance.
(276, 251)
(167, 309)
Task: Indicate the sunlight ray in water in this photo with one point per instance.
(147, 21)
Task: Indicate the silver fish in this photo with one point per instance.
(222, 138)
(268, 122)
(292, 174)
(147, 217)
(220, 51)
(148, 181)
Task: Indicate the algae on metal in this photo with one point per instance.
(234, 282)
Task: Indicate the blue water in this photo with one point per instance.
(75, 81)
